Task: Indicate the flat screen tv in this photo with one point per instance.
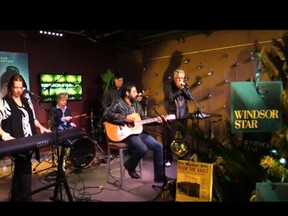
(53, 84)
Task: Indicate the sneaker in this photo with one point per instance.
(168, 164)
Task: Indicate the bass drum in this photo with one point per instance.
(83, 153)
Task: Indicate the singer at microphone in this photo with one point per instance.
(185, 85)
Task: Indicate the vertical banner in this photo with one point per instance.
(11, 63)
(256, 108)
(194, 181)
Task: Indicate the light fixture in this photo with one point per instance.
(210, 73)
(200, 66)
(224, 55)
(226, 81)
(186, 61)
(57, 34)
(282, 161)
(274, 153)
(252, 56)
(199, 82)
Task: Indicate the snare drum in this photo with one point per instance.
(83, 153)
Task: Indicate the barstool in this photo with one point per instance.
(121, 148)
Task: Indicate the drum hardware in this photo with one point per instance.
(93, 129)
(82, 154)
(50, 154)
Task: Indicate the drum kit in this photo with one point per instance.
(84, 152)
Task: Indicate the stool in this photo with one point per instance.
(121, 147)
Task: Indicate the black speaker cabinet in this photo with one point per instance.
(271, 192)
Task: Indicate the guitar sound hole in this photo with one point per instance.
(130, 125)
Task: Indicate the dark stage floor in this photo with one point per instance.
(88, 184)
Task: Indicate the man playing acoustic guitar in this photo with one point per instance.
(122, 118)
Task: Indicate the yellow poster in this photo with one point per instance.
(194, 181)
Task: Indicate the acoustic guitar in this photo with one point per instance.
(117, 133)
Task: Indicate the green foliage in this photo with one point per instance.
(234, 172)
(275, 63)
(107, 79)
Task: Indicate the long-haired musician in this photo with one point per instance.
(17, 119)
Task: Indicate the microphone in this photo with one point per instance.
(184, 84)
(29, 92)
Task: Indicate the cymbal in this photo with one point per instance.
(94, 116)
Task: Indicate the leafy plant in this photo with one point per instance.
(107, 79)
(275, 64)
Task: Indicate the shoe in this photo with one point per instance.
(168, 164)
(133, 174)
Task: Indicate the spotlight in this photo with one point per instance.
(274, 153)
(282, 161)
(186, 61)
(226, 81)
(51, 33)
(200, 66)
(199, 82)
(210, 73)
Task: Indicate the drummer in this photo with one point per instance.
(61, 116)
(61, 119)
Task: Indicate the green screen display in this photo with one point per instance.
(53, 84)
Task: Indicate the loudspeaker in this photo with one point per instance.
(271, 192)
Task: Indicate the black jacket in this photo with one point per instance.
(117, 112)
(178, 101)
(56, 115)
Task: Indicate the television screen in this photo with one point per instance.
(53, 84)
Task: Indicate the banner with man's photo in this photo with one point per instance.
(11, 63)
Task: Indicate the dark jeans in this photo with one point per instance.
(22, 176)
(139, 145)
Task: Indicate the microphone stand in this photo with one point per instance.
(60, 176)
(163, 186)
(37, 98)
(197, 113)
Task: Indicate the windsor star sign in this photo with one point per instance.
(256, 108)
